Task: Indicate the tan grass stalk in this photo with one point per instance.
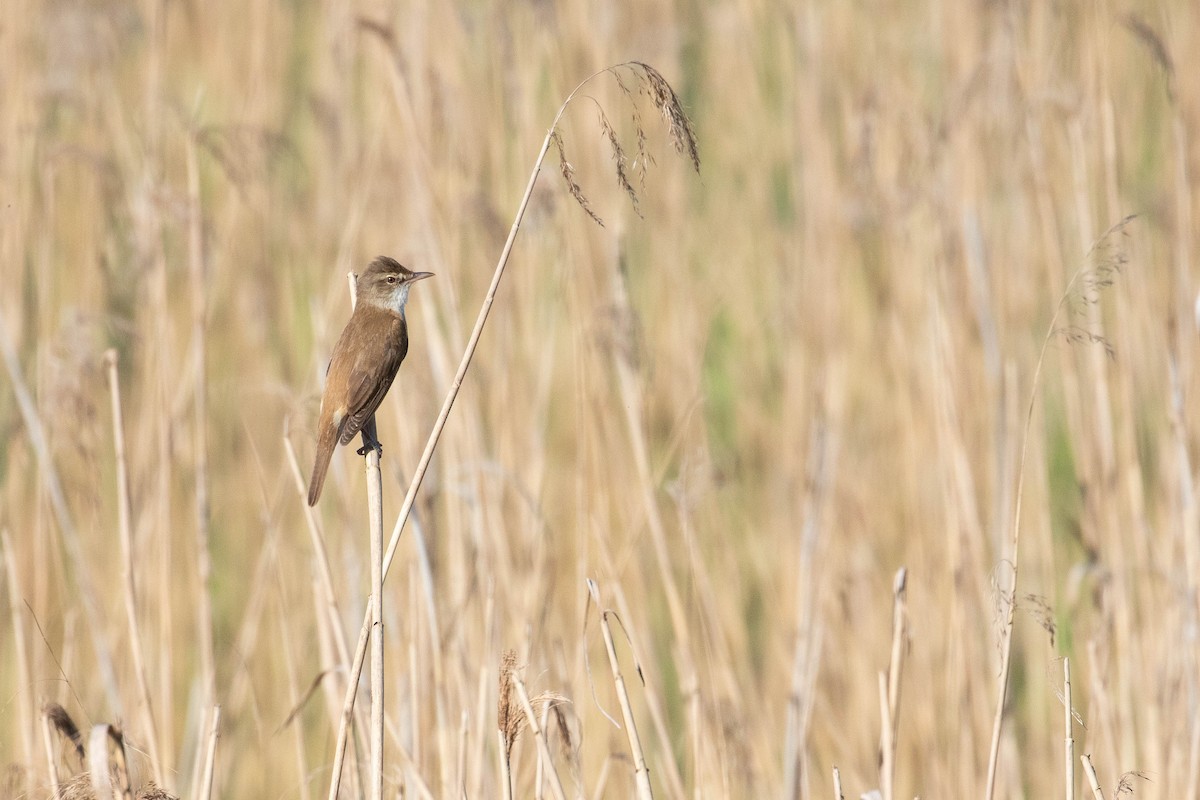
(899, 646)
(539, 789)
(40, 444)
(473, 784)
(654, 705)
(1069, 742)
(538, 734)
(293, 688)
(125, 529)
(641, 772)
(51, 753)
(506, 788)
(1090, 772)
(821, 458)
(345, 724)
(21, 650)
(375, 514)
(632, 401)
(602, 780)
(1006, 636)
(204, 790)
(333, 619)
(887, 748)
(198, 286)
(889, 686)
(321, 556)
(837, 785)
(106, 762)
(415, 691)
(464, 744)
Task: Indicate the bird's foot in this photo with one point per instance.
(369, 446)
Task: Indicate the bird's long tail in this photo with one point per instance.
(325, 444)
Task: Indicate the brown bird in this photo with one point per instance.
(365, 360)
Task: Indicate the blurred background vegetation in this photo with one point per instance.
(739, 413)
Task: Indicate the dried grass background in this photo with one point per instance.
(738, 413)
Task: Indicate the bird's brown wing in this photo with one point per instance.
(371, 377)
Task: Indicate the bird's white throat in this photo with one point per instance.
(399, 298)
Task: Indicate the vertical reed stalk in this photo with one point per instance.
(125, 529)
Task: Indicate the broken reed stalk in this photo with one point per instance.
(1093, 781)
(889, 685)
(837, 785)
(684, 139)
(125, 529)
(641, 772)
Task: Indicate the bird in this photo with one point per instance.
(364, 361)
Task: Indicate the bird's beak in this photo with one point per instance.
(420, 276)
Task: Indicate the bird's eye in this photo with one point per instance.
(392, 279)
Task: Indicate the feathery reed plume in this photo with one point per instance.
(679, 125)
(568, 173)
(1125, 783)
(509, 718)
(653, 85)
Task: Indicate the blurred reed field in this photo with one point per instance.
(738, 414)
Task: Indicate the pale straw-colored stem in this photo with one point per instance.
(375, 513)
(125, 531)
(199, 292)
(210, 756)
(887, 754)
(1090, 772)
(641, 771)
(51, 753)
(1069, 742)
(40, 445)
